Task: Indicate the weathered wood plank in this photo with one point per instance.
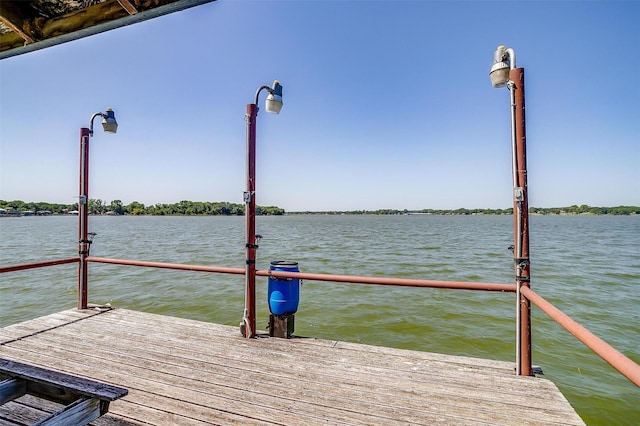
(79, 412)
(61, 381)
(464, 375)
(42, 324)
(348, 395)
(14, 413)
(170, 398)
(85, 399)
(182, 371)
(229, 368)
(186, 328)
(29, 409)
(276, 370)
(404, 357)
(11, 389)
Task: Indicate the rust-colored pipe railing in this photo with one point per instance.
(617, 360)
(406, 282)
(25, 266)
(162, 265)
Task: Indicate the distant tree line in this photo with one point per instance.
(117, 207)
(206, 208)
(585, 209)
(571, 210)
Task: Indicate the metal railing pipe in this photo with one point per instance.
(34, 265)
(611, 355)
(163, 265)
(355, 279)
(403, 282)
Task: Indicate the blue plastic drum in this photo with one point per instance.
(283, 293)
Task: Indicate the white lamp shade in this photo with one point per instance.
(273, 103)
(499, 74)
(109, 123)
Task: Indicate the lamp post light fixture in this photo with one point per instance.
(503, 61)
(273, 104)
(110, 125)
(504, 73)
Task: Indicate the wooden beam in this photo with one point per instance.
(11, 389)
(14, 16)
(79, 412)
(126, 4)
(30, 31)
(81, 19)
(59, 387)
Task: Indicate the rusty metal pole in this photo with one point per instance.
(273, 104)
(83, 218)
(248, 325)
(521, 222)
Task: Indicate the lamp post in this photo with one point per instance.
(273, 104)
(504, 73)
(110, 125)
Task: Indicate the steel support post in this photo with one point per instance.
(83, 218)
(249, 320)
(521, 224)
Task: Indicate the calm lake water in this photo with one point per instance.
(587, 266)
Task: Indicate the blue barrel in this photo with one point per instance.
(284, 293)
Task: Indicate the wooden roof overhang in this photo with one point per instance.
(29, 25)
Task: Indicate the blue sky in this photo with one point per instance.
(387, 104)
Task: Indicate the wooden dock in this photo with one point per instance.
(185, 372)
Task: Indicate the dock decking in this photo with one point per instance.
(185, 372)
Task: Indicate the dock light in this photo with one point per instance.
(273, 104)
(85, 238)
(504, 73)
(109, 123)
(504, 60)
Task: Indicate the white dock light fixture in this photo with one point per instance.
(274, 100)
(109, 123)
(504, 60)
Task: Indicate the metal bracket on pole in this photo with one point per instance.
(521, 263)
(518, 194)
